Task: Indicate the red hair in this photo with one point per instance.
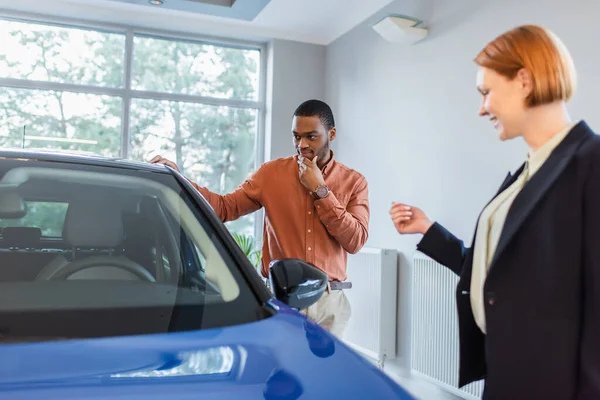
(538, 51)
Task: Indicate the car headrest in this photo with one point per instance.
(11, 204)
(93, 222)
(21, 236)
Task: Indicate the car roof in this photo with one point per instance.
(82, 159)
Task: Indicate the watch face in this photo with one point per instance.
(322, 191)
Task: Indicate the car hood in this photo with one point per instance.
(281, 357)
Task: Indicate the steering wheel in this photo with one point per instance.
(102, 261)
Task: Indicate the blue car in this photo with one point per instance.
(118, 281)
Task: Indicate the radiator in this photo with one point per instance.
(434, 337)
(372, 327)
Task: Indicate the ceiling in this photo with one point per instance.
(311, 21)
(233, 9)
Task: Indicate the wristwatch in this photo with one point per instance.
(322, 192)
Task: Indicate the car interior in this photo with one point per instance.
(100, 239)
(104, 228)
(94, 254)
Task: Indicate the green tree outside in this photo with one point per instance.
(213, 145)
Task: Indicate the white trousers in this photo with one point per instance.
(332, 312)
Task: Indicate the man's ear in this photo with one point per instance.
(332, 133)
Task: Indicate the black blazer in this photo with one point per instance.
(542, 292)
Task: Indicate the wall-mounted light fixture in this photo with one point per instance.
(401, 29)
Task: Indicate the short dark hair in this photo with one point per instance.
(316, 108)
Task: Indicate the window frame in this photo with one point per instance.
(127, 94)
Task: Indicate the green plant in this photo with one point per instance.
(248, 246)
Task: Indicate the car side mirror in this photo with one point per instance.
(297, 283)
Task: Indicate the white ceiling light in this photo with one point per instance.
(156, 2)
(401, 29)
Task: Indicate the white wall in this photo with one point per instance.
(407, 115)
(296, 74)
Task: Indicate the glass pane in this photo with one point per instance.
(213, 146)
(49, 216)
(121, 225)
(65, 121)
(57, 54)
(195, 69)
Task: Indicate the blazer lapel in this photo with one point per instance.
(539, 184)
(509, 180)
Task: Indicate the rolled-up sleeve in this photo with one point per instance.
(348, 225)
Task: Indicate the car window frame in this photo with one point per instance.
(227, 243)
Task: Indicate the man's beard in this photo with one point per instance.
(324, 153)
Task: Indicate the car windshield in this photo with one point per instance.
(95, 251)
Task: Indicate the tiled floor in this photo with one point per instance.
(422, 389)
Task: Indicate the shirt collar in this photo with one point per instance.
(327, 167)
(536, 159)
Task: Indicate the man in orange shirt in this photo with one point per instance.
(316, 209)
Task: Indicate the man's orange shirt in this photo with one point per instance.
(296, 225)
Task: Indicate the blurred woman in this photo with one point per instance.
(528, 297)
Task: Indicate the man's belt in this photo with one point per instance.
(337, 285)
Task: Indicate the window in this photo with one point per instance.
(69, 88)
(66, 121)
(214, 146)
(135, 235)
(48, 216)
(63, 55)
(185, 67)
